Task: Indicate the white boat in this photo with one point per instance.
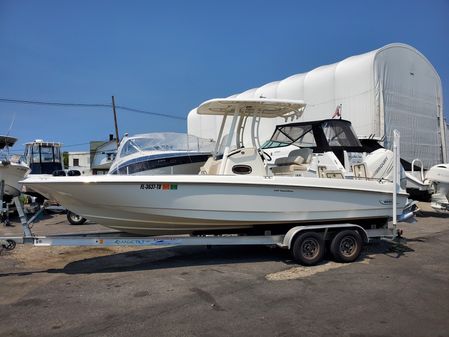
(12, 169)
(438, 178)
(234, 191)
(43, 158)
(161, 153)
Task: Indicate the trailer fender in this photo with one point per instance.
(291, 234)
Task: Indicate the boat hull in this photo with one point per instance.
(11, 173)
(150, 205)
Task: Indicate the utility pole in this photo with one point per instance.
(115, 121)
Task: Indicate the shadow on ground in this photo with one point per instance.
(175, 257)
(432, 214)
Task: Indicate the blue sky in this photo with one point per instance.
(169, 56)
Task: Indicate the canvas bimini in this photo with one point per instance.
(233, 192)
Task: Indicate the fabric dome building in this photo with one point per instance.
(394, 87)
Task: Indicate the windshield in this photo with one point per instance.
(340, 134)
(165, 142)
(301, 136)
(329, 133)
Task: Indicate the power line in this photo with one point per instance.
(88, 105)
(120, 107)
(8, 100)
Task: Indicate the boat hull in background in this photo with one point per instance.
(11, 173)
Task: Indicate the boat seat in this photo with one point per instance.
(211, 166)
(297, 160)
(288, 169)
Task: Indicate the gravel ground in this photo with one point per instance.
(392, 290)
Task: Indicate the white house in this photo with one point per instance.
(80, 161)
(103, 154)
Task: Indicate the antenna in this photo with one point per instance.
(12, 123)
(115, 121)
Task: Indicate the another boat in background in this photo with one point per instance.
(161, 153)
(12, 169)
(438, 178)
(43, 158)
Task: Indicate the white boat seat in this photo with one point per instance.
(288, 169)
(211, 166)
(289, 160)
(295, 161)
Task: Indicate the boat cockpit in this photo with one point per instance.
(240, 158)
(43, 157)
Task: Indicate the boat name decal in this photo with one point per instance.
(282, 190)
(388, 202)
(147, 242)
(164, 187)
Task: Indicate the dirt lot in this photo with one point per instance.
(393, 290)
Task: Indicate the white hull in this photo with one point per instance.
(11, 174)
(188, 203)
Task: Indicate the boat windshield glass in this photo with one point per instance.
(340, 134)
(47, 154)
(165, 142)
(301, 136)
(337, 133)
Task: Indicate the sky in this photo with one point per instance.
(169, 56)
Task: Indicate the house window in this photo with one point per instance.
(76, 162)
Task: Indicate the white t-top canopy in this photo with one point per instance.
(266, 108)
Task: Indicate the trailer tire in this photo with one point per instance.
(308, 248)
(9, 245)
(346, 246)
(75, 219)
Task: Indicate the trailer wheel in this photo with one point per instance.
(308, 248)
(75, 219)
(9, 245)
(346, 246)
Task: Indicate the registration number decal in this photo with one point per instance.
(164, 187)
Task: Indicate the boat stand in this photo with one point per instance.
(4, 206)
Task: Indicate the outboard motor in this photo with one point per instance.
(378, 165)
(438, 177)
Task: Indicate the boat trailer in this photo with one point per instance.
(306, 243)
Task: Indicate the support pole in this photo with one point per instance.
(229, 140)
(3, 210)
(396, 168)
(115, 121)
(23, 219)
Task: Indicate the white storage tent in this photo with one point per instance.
(394, 87)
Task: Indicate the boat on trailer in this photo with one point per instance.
(234, 191)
